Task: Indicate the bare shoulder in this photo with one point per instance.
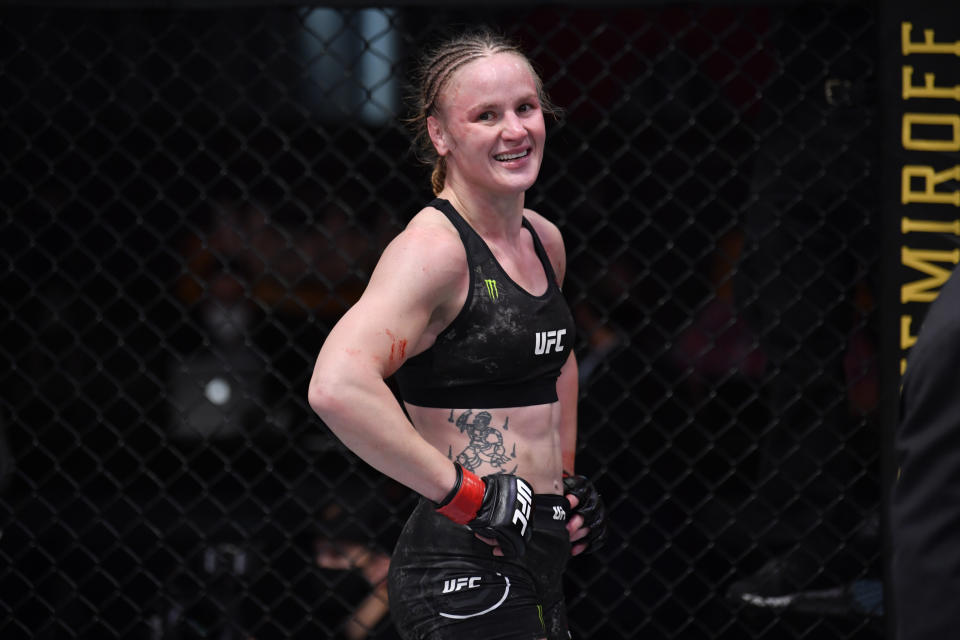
(552, 240)
(548, 232)
(433, 239)
(427, 254)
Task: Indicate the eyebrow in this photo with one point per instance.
(485, 106)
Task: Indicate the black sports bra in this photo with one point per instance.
(506, 346)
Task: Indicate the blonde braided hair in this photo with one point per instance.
(433, 73)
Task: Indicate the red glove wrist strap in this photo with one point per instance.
(462, 507)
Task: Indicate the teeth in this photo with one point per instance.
(510, 156)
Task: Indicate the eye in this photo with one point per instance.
(486, 116)
(528, 107)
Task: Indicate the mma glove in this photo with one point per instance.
(496, 506)
(590, 508)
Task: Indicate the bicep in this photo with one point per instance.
(387, 323)
(376, 333)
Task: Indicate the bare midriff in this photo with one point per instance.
(524, 441)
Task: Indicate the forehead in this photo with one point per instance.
(498, 75)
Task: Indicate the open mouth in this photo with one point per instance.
(504, 157)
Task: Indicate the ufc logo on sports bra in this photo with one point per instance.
(547, 340)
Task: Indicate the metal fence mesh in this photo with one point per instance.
(192, 197)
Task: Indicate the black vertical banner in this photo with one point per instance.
(925, 105)
(920, 75)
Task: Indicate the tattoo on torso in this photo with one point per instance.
(486, 444)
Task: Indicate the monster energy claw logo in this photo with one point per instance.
(492, 289)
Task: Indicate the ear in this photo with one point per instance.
(437, 136)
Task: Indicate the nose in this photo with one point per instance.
(513, 126)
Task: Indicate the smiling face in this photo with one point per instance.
(489, 125)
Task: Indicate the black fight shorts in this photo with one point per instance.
(444, 584)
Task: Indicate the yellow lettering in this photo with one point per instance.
(951, 120)
(928, 45)
(929, 88)
(909, 225)
(924, 260)
(903, 366)
(906, 339)
(931, 179)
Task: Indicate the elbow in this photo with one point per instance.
(316, 399)
(321, 397)
(338, 390)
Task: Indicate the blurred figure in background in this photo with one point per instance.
(924, 506)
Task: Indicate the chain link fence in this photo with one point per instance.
(192, 196)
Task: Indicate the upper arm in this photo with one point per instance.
(419, 275)
(568, 390)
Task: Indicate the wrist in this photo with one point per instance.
(456, 487)
(464, 499)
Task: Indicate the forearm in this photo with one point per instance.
(370, 422)
(367, 418)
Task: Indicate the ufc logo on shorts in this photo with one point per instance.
(524, 503)
(449, 586)
(559, 513)
(547, 340)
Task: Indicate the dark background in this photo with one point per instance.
(165, 168)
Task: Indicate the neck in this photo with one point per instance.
(488, 214)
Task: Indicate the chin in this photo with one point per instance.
(520, 183)
(516, 187)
